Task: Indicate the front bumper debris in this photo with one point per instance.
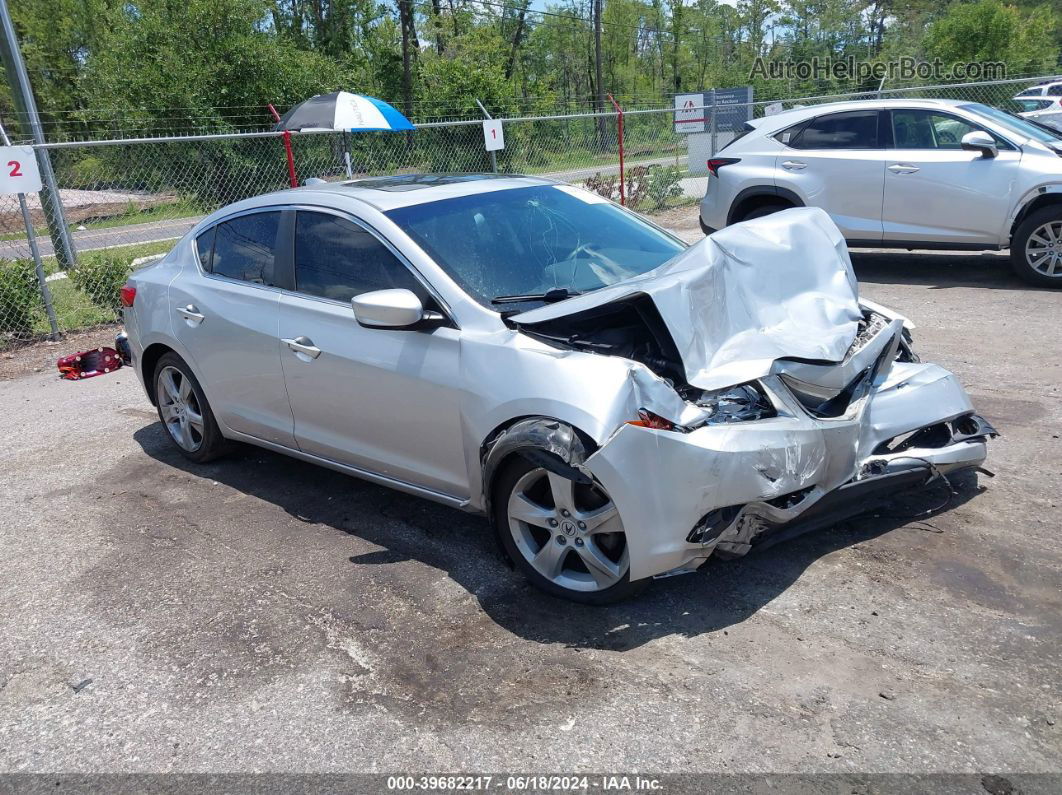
(683, 496)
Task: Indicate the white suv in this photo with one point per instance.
(903, 173)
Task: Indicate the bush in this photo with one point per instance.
(101, 278)
(20, 298)
(661, 184)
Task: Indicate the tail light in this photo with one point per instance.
(716, 163)
(127, 294)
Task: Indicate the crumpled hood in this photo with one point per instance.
(775, 287)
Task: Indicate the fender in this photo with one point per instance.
(762, 190)
(1053, 188)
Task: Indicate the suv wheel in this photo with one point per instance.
(184, 411)
(1036, 250)
(565, 537)
(765, 209)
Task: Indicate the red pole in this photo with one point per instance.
(619, 136)
(294, 180)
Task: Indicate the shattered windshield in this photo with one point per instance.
(535, 244)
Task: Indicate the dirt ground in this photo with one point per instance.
(261, 614)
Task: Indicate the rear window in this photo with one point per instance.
(244, 247)
(849, 130)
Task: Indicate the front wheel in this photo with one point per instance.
(1036, 249)
(565, 537)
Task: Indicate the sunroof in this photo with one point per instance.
(415, 181)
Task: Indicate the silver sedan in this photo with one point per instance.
(619, 405)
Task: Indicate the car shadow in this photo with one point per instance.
(719, 595)
(938, 270)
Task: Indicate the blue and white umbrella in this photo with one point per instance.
(341, 110)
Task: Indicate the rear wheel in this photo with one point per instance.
(764, 209)
(565, 537)
(184, 411)
(1036, 249)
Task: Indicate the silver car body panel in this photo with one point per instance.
(420, 410)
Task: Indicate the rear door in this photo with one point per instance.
(936, 191)
(383, 400)
(226, 314)
(836, 162)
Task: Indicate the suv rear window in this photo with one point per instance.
(857, 129)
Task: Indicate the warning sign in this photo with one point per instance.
(689, 113)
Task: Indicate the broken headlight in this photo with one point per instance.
(736, 404)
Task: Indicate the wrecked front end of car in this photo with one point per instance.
(776, 400)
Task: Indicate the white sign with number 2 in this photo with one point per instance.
(18, 170)
(493, 137)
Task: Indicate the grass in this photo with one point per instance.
(131, 215)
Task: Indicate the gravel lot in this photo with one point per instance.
(260, 614)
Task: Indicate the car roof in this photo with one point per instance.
(402, 190)
(785, 118)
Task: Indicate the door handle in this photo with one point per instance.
(902, 168)
(794, 165)
(303, 345)
(192, 314)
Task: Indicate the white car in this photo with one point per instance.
(620, 405)
(912, 173)
(1044, 109)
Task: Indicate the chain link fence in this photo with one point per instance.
(125, 202)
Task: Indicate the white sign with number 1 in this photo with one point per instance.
(493, 137)
(18, 170)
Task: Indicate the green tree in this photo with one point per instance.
(988, 30)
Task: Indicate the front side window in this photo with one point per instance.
(529, 241)
(244, 247)
(930, 129)
(1055, 90)
(850, 130)
(337, 259)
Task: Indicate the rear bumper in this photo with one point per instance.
(684, 495)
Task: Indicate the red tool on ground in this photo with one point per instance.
(89, 364)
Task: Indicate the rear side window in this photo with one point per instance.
(849, 130)
(337, 259)
(204, 246)
(1055, 90)
(1028, 105)
(790, 134)
(244, 247)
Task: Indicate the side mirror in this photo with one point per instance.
(392, 309)
(979, 141)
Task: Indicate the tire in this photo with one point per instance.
(531, 488)
(184, 411)
(1034, 235)
(765, 209)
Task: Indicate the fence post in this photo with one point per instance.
(287, 147)
(493, 156)
(714, 130)
(619, 139)
(31, 238)
(22, 94)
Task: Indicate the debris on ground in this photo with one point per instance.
(89, 364)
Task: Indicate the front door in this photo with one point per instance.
(382, 400)
(938, 192)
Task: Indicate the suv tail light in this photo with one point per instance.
(716, 163)
(127, 294)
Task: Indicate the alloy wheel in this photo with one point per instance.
(180, 409)
(1043, 250)
(570, 533)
